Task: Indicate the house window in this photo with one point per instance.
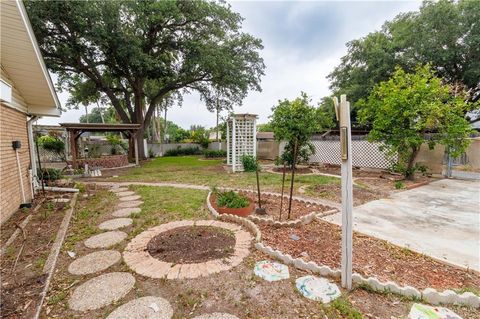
(5, 92)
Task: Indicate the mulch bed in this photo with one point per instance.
(298, 170)
(192, 244)
(361, 195)
(22, 281)
(321, 242)
(272, 206)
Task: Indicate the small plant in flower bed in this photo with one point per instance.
(214, 153)
(249, 163)
(231, 199)
(50, 174)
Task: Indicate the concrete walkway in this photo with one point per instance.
(441, 220)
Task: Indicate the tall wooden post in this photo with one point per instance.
(343, 115)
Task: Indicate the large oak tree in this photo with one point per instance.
(137, 53)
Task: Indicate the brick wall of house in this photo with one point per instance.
(13, 126)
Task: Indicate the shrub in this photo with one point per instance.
(249, 163)
(50, 174)
(53, 144)
(183, 151)
(399, 185)
(214, 153)
(231, 199)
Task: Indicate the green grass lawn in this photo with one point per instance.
(193, 170)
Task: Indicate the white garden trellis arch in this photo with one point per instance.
(241, 139)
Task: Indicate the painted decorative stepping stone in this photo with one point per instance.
(271, 271)
(144, 308)
(216, 315)
(119, 189)
(125, 193)
(129, 198)
(318, 289)
(419, 311)
(116, 223)
(105, 240)
(134, 203)
(94, 262)
(125, 212)
(101, 291)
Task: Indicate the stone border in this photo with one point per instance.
(139, 260)
(304, 220)
(429, 295)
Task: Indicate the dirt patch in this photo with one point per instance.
(361, 195)
(272, 207)
(298, 170)
(321, 242)
(22, 264)
(197, 244)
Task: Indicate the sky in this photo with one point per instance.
(303, 42)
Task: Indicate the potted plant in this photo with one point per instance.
(230, 202)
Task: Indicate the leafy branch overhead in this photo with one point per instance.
(137, 53)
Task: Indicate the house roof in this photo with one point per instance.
(23, 63)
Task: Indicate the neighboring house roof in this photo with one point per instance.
(265, 136)
(22, 63)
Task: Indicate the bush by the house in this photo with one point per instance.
(50, 174)
(215, 153)
(183, 151)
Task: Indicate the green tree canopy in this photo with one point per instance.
(411, 109)
(137, 53)
(445, 34)
(295, 122)
(100, 115)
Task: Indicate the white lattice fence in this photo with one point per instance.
(365, 154)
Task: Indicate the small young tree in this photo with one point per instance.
(407, 107)
(295, 122)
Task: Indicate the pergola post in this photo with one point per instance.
(73, 148)
(136, 149)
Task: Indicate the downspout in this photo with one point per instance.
(33, 160)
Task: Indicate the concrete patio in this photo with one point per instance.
(441, 220)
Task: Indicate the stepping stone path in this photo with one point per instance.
(144, 308)
(94, 262)
(271, 271)
(134, 203)
(419, 311)
(318, 289)
(129, 198)
(216, 315)
(61, 200)
(125, 193)
(125, 212)
(116, 223)
(101, 291)
(119, 189)
(105, 240)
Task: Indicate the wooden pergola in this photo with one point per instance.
(75, 130)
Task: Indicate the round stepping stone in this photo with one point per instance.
(125, 212)
(423, 311)
(105, 240)
(318, 289)
(144, 308)
(116, 223)
(94, 262)
(101, 291)
(134, 203)
(271, 271)
(129, 198)
(119, 189)
(61, 200)
(125, 193)
(216, 315)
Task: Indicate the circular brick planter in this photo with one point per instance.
(136, 255)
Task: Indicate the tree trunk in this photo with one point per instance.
(410, 173)
(293, 177)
